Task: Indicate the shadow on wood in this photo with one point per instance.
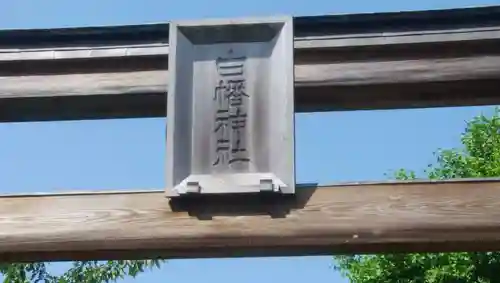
(205, 207)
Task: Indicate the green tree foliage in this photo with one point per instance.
(480, 157)
(81, 271)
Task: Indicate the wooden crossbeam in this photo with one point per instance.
(342, 62)
(319, 87)
(462, 215)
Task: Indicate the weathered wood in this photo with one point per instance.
(312, 75)
(301, 43)
(364, 218)
(343, 62)
(398, 72)
(311, 32)
(334, 74)
(335, 85)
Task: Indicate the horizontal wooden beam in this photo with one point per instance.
(461, 215)
(342, 62)
(328, 86)
(306, 76)
(311, 32)
(301, 43)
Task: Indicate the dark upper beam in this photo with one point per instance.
(342, 24)
(343, 62)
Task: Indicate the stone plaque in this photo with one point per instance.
(230, 108)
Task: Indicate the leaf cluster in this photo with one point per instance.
(479, 158)
(81, 271)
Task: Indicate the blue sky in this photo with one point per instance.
(129, 154)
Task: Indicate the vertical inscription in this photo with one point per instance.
(231, 113)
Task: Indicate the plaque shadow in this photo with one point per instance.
(275, 205)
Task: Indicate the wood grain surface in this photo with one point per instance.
(310, 75)
(359, 62)
(385, 84)
(365, 218)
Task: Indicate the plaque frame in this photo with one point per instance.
(230, 106)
